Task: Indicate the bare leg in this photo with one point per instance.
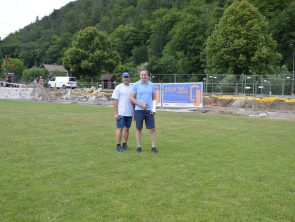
(138, 137)
(153, 137)
(118, 135)
(125, 135)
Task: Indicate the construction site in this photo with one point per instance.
(256, 106)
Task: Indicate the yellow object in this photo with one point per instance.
(251, 98)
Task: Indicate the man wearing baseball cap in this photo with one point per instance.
(123, 111)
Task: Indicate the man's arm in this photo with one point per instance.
(154, 108)
(134, 101)
(116, 109)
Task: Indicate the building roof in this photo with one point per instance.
(108, 77)
(54, 68)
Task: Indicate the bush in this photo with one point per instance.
(30, 74)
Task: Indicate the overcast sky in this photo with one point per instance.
(16, 14)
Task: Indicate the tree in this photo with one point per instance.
(241, 42)
(139, 55)
(29, 52)
(162, 24)
(284, 33)
(125, 39)
(44, 41)
(165, 65)
(57, 48)
(186, 45)
(91, 54)
(30, 74)
(16, 63)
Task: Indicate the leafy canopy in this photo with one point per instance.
(18, 66)
(241, 42)
(91, 54)
(30, 74)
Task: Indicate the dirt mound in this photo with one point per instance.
(254, 103)
(268, 107)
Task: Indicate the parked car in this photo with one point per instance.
(62, 82)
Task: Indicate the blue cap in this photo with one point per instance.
(125, 74)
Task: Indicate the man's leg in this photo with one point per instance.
(138, 137)
(125, 135)
(139, 117)
(119, 135)
(118, 139)
(125, 138)
(150, 124)
(153, 137)
(127, 125)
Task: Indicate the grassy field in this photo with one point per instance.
(58, 163)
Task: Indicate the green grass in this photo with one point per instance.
(58, 163)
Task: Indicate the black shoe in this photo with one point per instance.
(125, 147)
(154, 150)
(138, 149)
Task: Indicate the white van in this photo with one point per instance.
(63, 82)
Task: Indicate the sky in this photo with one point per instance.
(16, 14)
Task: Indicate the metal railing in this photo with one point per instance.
(279, 85)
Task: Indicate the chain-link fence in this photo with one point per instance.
(250, 85)
(279, 85)
(256, 85)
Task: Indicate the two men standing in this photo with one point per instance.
(143, 96)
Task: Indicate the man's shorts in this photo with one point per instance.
(146, 115)
(124, 121)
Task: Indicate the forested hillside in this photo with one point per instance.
(168, 35)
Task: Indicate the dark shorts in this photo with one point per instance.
(146, 115)
(124, 121)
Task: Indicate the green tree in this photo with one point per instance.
(57, 48)
(163, 22)
(91, 54)
(29, 53)
(139, 55)
(125, 39)
(18, 66)
(186, 45)
(284, 32)
(30, 74)
(241, 42)
(161, 68)
(188, 36)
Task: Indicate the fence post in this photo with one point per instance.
(283, 87)
(262, 81)
(242, 83)
(206, 83)
(253, 85)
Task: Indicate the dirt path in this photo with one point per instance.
(277, 114)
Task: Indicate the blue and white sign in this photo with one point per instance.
(182, 94)
(158, 93)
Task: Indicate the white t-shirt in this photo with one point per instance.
(122, 93)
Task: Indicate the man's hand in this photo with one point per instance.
(117, 116)
(144, 106)
(153, 113)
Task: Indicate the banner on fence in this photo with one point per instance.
(158, 93)
(182, 94)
